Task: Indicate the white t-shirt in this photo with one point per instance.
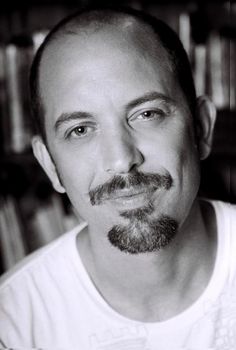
(50, 302)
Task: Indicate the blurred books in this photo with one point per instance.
(15, 61)
(22, 232)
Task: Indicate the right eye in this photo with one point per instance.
(80, 131)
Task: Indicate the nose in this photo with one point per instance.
(119, 151)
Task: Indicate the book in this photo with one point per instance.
(11, 233)
(18, 58)
(217, 66)
(49, 221)
(232, 74)
(3, 99)
(185, 32)
(200, 68)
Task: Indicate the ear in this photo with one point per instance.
(42, 155)
(206, 116)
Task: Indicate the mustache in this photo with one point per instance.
(135, 180)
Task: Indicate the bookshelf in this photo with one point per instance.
(31, 213)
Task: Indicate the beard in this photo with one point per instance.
(143, 234)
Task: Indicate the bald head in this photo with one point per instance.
(129, 30)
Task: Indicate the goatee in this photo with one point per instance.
(143, 234)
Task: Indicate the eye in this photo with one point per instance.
(147, 115)
(80, 131)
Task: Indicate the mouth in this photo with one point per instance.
(127, 199)
(126, 194)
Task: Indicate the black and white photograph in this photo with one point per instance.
(118, 175)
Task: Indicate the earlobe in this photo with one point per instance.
(206, 116)
(41, 153)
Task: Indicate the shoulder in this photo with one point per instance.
(226, 225)
(225, 212)
(33, 293)
(225, 216)
(41, 259)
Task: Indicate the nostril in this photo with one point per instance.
(125, 163)
(119, 152)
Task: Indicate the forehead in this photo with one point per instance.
(127, 38)
(102, 63)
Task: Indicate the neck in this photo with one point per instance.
(171, 279)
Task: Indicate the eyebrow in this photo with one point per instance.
(148, 97)
(67, 117)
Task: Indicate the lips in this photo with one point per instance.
(128, 193)
(130, 199)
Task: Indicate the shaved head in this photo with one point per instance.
(137, 31)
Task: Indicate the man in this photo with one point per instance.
(122, 133)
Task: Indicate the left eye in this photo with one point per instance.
(146, 115)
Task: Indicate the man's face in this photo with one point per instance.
(120, 133)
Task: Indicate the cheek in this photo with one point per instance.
(74, 171)
(173, 150)
(75, 178)
(167, 146)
